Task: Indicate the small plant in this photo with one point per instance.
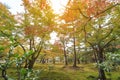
(32, 74)
(6, 64)
(118, 78)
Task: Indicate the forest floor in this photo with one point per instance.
(58, 72)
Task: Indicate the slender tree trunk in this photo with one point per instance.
(4, 74)
(78, 61)
(47, 60)
(26, 64)
(95, 56)
(53, 60)
(100, 69)
(43, 61)
(18, 71)
(75, 56)
(65, 54)
(66, 62)
(65, 57)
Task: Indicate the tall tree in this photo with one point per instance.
(72, 23)
(37, 24)
(98, 30)
(92, 16)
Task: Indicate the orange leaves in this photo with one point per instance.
(85, 7)
(94, 7)
(32, 31)
(40, 15)
(71, 15)
(26, 3)
(43, 4)
(35, 31)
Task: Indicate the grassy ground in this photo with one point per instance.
(57, 72)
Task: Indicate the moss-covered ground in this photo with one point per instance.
(58, 72)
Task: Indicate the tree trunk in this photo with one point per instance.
(95, 56)
(66, 62)
(18, 71)
(43, 61)
(65, 57)
(31, 63)
(26, 64)
(78, 61)
(4, 74)
(101, 74)
(75, 56)
(47, 60)
(100, 69)
(53, 60)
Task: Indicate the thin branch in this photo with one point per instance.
(40, 46)
(21, 46)
(90, 18)
(106, 35)
(82, 13)
(14, 40)
(108, 42)
(106, 9)
(5, 34)
(84, 28)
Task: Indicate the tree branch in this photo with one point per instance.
(82, 13)
(107, 9)
(106, 35)
(108, 42)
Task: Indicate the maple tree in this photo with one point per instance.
(36, 26)
(89, 17)
(62, 45)
(101, 33)
(72, 22)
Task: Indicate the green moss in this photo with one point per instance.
(57, 72)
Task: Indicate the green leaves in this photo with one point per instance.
(23, 71)
(27, 54)
(7, 20)
(1, 48)
(112, 61)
